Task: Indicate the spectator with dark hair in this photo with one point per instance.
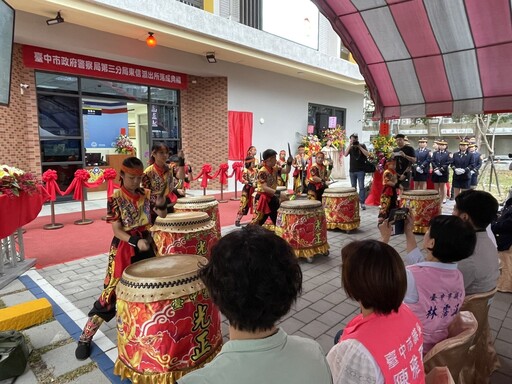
(254, 277)
(481, 269)
(405, 157)
(372, 346)
(435, 287)
(358, 155)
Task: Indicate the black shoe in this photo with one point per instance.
(237, 223)
(363, 207)
(83, 350)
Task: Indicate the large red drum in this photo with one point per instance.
(167, 325)
(341, 208)
(208, 204)
(190, 233)
(302, 224)
(423, 205)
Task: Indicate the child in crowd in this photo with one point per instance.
(129, 213)
(435, 287)
(388, 197)
(254, 277)
(249, 177)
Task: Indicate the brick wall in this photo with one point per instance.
(19, 133)
(204, 124)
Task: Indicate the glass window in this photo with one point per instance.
(61, 150)
(115, 90)
(162, 95)
(58, 115)
(56, 82)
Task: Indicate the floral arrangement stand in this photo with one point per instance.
(21, 200)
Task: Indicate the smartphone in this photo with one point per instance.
(397, 218)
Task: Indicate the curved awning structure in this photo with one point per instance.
(431, 57)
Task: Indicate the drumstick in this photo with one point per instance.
(289, 150)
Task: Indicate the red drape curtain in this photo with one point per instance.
(240, 134)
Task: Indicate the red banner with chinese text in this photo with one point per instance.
(72, 63)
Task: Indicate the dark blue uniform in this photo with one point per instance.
(465, 161)
(422, 161)
(440, 160)
(477, 158)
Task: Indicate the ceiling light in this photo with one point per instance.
(57, 20)
(210, 57)
(150, 40)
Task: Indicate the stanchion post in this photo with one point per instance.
(236, 198)
(222, 194)
(83, 221)
(53, 224)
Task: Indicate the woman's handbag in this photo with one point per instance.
(13, 354)
(369, 167)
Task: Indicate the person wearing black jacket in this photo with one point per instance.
(502, 229)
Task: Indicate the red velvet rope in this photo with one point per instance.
(205, 175)
(222, 173)
(80, 181)
(237, 171)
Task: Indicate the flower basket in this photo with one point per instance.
(336, 135)
(13, 181)
(312, 144)
(382, 150)
(124, 145)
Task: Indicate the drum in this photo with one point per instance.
(191, 233)
(208, 204)
(341, 208)
(302, 224)
(423, 205)
(167, 325)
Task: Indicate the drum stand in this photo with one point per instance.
(236, 198)
(53, 224)
(222, 194)
(83, 221)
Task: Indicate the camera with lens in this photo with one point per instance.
(355, 143)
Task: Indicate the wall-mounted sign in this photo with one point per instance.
(58, 61)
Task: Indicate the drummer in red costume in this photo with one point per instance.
(249, 177)
(159, 177)
(267, 202)
(129, 213)
(318, 177)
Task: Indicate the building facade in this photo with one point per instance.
(92, 77)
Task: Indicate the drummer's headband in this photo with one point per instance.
(132, 171)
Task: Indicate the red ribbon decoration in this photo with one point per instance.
(80, 180)
(222, 173)
(109, 175)
(237, 171)
(205, 170)
(50, 179)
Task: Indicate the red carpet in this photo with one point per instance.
(74, 242)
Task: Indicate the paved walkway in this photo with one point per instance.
(321, 311)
